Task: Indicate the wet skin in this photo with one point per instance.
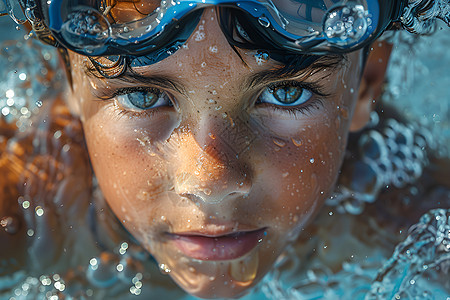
(216, 184)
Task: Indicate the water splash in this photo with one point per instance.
(420, 266)
(420, 16)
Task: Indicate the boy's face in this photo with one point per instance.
(224, 166)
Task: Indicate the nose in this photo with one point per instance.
(207, 173)
(209, 167)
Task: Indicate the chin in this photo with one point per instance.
(216, 279)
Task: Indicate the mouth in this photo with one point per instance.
(217, 247)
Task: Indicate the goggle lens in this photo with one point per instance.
(314, 26)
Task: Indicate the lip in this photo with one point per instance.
(216, 247)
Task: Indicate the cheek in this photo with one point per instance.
(129, 170)
(300, 164)
(297, 174)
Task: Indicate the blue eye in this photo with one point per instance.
(285, 95)
(142, 99)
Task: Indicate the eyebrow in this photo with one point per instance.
(130, 76)
(300, 66)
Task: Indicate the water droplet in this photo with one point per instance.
(261, 57)
(213, 49)
(297, 142)
(39, 211)
(263, 21)
(164, 269)
(311, 160)
(26, 204)
(279, 143)
(244, 270)
(10, 224)
(39, 103)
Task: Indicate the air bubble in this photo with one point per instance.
(86, 28)
(345, 24)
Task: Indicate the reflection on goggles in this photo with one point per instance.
(123, 11)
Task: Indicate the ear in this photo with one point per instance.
(371, 85)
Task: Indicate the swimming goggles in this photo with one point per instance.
(138, 27)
